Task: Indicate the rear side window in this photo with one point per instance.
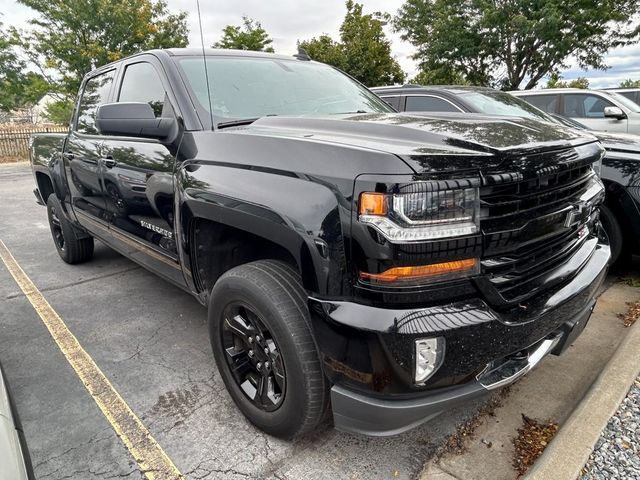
(95, 93)
(394, 101)
(429, 104)
(141, 83)
(583, 105)
(546, 103)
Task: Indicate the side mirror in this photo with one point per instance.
(614, 112)
(134, 119)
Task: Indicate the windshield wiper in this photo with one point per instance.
(237, 123)
(242, 121)
(351, 113)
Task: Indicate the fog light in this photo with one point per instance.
(429, 356)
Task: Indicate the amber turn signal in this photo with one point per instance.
(402, 274)
(373, 204)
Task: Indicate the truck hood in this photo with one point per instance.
(428, 142)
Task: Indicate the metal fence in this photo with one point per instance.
(14, 140)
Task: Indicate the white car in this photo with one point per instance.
(15, 463)
(602, 110)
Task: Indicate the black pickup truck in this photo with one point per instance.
(380, 266)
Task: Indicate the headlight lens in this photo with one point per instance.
(421, 215)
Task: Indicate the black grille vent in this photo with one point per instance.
(528, 231)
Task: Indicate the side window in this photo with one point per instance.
(546, 103)
(393, 101)
(584, 105)
(429, 104)
(141, 83)
(95, 93)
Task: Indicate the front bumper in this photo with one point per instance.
(367, 352)
(357, 413)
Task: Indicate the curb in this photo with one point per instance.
(567, 454)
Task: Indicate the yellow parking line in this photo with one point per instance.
(150, 457)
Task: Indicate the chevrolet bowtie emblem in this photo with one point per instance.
(573, 215)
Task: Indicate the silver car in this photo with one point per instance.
(602, 110)
(14, 457)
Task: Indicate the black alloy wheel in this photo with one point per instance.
(72, 244)
(56, 231)
(261, 336)
(253, 357)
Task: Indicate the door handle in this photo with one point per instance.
(109, 162)
(68, 155)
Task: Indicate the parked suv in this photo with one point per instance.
(601, 110)
(620, 173)
(394, 264)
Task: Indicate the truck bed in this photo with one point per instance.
(44, 146)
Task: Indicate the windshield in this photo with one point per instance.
(251, 87)
(501, 103)
(626, 102)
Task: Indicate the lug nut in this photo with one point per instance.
(259, 365)
(250, 353)
(250, 339)
(266, 350)
(257, 338)
(266, 364)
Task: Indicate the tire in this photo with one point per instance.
(71, 245)
(614, 232)
(272, 290)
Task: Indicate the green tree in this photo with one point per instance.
(326, 50)
(555, 81)
(248, 36)
(18, 88)
(629, 83)
(508, 43)
(438, 75)
(363, 51)
(72, 37)
(10, 69)
(59, 111)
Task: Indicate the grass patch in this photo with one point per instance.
(631, 281)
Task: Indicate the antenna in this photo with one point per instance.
(302, 54)
(204, 61)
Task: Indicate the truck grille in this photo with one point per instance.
(532, 227)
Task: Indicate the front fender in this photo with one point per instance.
(305, 215)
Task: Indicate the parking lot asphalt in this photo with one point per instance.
(150, 340)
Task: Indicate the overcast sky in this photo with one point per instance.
(288, 21)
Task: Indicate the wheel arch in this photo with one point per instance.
(215, 247)
(625, 210)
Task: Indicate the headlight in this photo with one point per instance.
(418, 215)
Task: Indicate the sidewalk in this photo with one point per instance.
(549, 395)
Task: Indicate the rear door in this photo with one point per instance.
(588, 109)
(83, 154)
(138, 174)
